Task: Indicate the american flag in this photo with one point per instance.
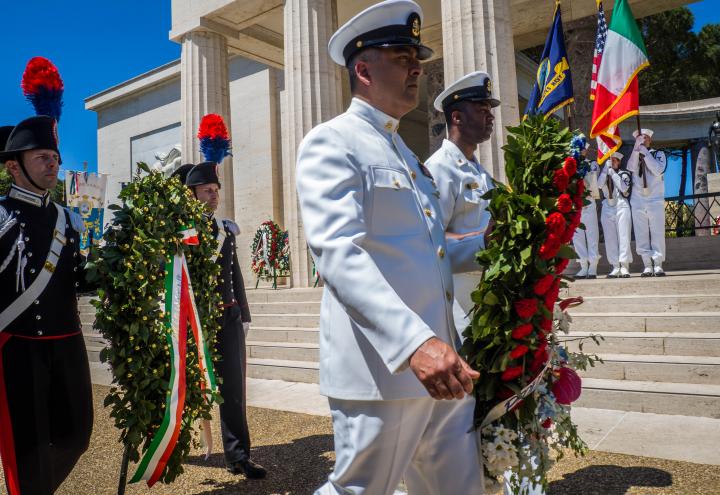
(600, 39)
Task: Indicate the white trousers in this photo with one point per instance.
(617, 226)
(423, 441)
(649, 225)
(586, 241)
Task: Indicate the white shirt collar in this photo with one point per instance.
(29, 197)
(457, 156)
(379, 119)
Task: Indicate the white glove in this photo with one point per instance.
(246, 327)
(639, 142)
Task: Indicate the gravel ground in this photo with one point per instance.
(297, 450)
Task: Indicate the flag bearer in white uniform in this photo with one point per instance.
(648, 203)
(586, 241)
(371, 220)
(462, 181)
(616, 217)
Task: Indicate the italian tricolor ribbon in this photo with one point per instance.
(180, 305)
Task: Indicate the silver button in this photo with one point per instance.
(72, 240)
(27, 238)
(29, 255)
(32, 270)
(37, 301)
(40, 332)
(77, 284)
(75, 269)
(22, 224)
(38, 317)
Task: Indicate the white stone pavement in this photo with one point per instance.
(680, 438)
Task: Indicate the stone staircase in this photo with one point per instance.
(661, 342)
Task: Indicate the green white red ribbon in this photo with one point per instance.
(180, 305)
(190, 236)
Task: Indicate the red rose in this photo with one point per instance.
(555, 223)
(519, 351)
(567, 236)
(511, 373)
(546, 325)
(522, 331)
(560, 180)
(540, 357)
(550, 247)
(525, 308)
(561, 265)
(575, 219)
(579, 202)
(547, 423)
(542, 285)
(570, 166)
(564, 203)
(552, 295)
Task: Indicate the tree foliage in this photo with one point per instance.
(684, 65)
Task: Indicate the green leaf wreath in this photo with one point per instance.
(130, 271)
(526, 370)
(270, 252)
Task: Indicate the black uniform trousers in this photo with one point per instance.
(48, 397)
(232, 369)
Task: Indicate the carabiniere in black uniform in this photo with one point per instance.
(46, 409)
(231, 363)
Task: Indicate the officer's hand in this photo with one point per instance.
(442, 371)
(639, 141)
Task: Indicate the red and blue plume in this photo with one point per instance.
(43, 87)
(214, 141)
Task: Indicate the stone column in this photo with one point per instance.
(205, 89)
(700, 186)
(312, 95)
(435, 86)
(477, 35)
(580, 43)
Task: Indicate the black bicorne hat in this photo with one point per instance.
(35, 133)
(202, 173)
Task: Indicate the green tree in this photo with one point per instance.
(683, 65)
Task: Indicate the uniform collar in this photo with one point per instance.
(20, 194)
(379, 120)
(457, 156)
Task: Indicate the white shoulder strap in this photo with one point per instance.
(220, 238)
(19, 305)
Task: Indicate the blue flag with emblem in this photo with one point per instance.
(553, 85)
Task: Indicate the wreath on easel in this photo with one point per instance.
(270, 253)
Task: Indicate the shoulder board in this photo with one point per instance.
(231, 226)
(76, 221)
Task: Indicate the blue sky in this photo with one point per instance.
(97, 44)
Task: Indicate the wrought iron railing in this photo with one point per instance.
(692, 215)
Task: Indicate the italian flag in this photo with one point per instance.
(617, 94)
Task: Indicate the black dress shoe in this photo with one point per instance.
(592, 277)
(247, 467)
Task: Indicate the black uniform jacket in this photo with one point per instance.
(232, 286)
(55, 311)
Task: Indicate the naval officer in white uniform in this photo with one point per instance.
(648, 203)
(371, 219)
(461, 179)
(616, 217)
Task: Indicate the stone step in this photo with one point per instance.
(283, 334)
(630, 303)
(289, 371)
(648, 343)
(284, 295)
(287, 307)
(94, 338)
(675, 283)
(657, 368)
(295, 351)
(644, 322)
(300, 320)
(685, 399)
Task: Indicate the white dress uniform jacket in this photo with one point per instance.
(372, 222)
(616, 217)
(462, 184)
(648, 205)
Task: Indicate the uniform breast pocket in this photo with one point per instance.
(395, 211)
(474, 207)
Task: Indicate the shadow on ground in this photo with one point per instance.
(298, 467)
(609, 480)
